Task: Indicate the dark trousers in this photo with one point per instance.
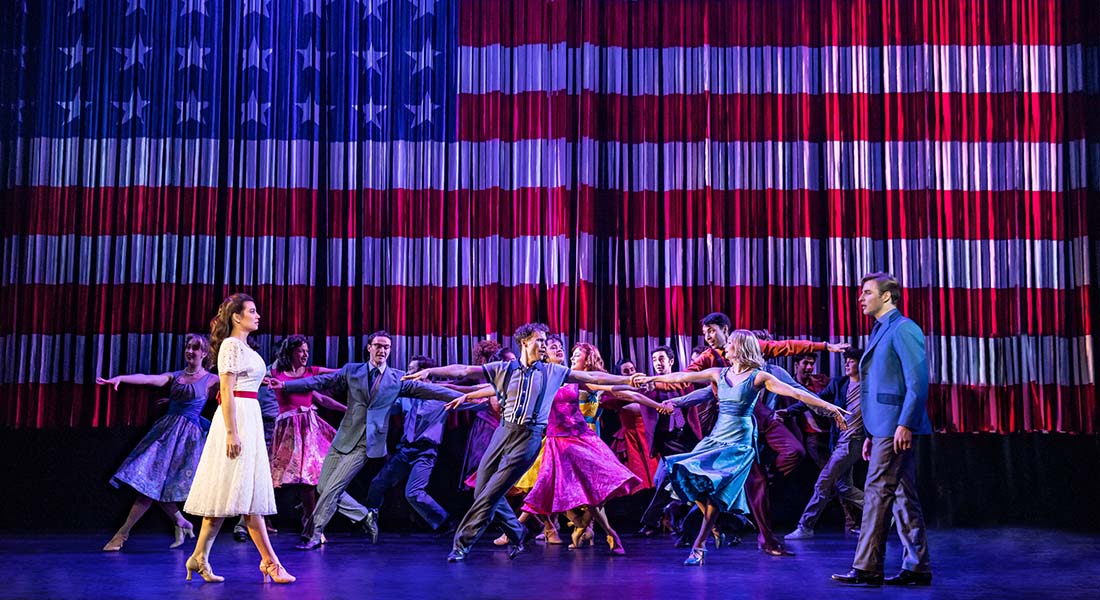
(416, 462)
(788, 454)
(892, 489)
(511, 452)
(836, 478)
(667, 444)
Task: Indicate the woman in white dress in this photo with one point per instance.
(234, 475)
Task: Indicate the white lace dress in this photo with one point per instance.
(225, 487)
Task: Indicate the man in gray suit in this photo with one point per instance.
(373, 389)
(894, 371)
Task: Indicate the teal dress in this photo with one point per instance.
(719, 465)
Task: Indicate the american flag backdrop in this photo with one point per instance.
(449, 169)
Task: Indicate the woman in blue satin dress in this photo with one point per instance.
(713, 474)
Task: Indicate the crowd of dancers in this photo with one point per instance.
(534, 454)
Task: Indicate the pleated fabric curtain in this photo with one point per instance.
(447, 170)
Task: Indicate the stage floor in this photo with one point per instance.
(968, 563)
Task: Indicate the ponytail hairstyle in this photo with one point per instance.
(221, 326)
(286, 350)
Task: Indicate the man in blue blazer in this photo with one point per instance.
(894, 373)
(373, 389)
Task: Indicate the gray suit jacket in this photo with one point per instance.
(894, 378)
(369, 410)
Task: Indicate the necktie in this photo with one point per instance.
(371, 377)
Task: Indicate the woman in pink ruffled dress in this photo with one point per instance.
(301, 437)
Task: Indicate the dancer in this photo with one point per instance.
(301, 438)
(525, 388)
(415, 457)
(160, 468)
(894, 369)
(630, 441)
(234, 475)
(836, 477)
(668, 434)
(484, 422)
(714, 473)
(716, 327)
(578, 468)
(373, 388)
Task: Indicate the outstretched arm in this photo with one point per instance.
(596, 378)
(704, 376)
(473, 396)
(136, 379)
(328, 402)
(630, 396)
(448, 372)
(775, 386)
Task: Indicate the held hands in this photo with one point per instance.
(273, 383)
(837, 347)
(838, 415)
(453, 404)
(421, 375)
(640, 380)
(667, 407)
(113, 382)
(903, 439)
(232, 445)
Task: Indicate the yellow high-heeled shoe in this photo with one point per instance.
(116, 542)
(202, 567)
(274, 571)
(181, 535)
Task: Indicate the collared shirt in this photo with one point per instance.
(528, 394)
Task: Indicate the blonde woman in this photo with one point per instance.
(713, 474)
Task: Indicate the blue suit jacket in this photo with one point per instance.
(894, 375)
(368, 411)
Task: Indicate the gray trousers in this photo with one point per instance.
(836, 478)
(337, 472)
(414, 461)
(892, 488)
(511, 452)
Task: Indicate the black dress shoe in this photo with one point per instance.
(240, 534)
(514, 550)
(447, 529)
(457, 555)
(907, 577)
(858, 577)
(369, 525)
(310, 544)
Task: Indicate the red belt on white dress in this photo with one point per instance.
(240, 394)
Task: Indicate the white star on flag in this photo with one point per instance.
(255, 57)
(424, 58)
(371, 111)
(192, 55)
(191, 110)
(190, 6)
(311, 111)
(371, 57)
(135, 54)
(132, 108)
(257, 6)
(255, 110)
(73, 107)
(423, 111)
(76, 53)
(311, 57)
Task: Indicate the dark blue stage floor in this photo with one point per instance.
(972, 563)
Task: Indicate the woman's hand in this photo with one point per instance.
(838, 414)
(232, 445)
(113, 382)
(667, 408)
(640, 380)
(457, 402)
